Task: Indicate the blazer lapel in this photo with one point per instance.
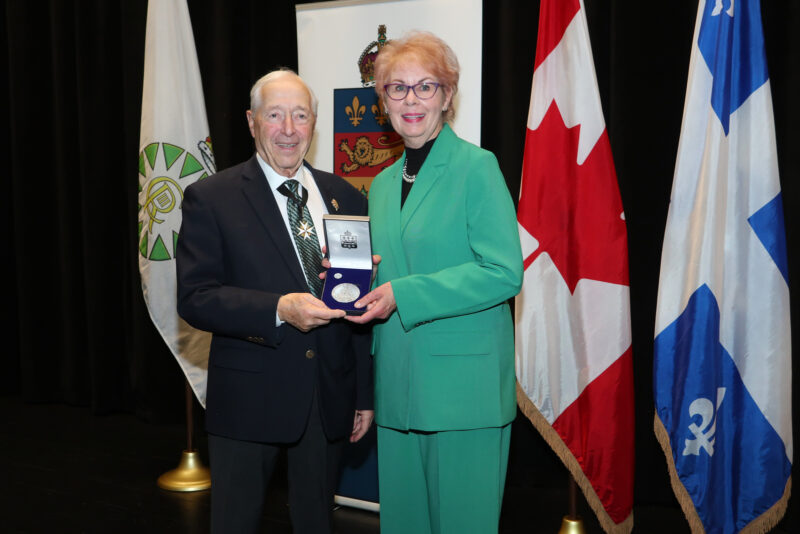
(258, 193)
(393, 215)
(331, 203)
(433, 167)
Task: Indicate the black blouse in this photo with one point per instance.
(415, 157)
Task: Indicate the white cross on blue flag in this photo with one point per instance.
(722, 369)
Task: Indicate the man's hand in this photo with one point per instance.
(304, 311)
(379, 302)
(326, 263)
(361, 424)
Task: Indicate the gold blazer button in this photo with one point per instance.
(309, 354)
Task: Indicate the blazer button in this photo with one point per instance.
(309, 354)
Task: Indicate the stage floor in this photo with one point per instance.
(64, 470)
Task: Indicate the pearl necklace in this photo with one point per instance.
(409, 178)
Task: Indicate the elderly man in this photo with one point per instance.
(284, 372)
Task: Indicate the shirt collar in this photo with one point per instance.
(275, 180)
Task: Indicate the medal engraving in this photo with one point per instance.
(345, 292)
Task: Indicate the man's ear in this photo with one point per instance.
(250, 122)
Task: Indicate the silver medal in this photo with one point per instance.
(345, 292)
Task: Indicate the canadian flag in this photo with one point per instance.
(573, 338)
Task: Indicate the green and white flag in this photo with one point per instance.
(174, 152)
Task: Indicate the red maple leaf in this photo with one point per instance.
(574, 211)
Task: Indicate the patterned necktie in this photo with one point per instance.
(305, 236)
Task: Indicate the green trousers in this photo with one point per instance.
(442, 482)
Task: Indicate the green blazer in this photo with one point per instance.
(445, 359)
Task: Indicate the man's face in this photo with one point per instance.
(283, 125)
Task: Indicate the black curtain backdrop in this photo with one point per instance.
(76, 328)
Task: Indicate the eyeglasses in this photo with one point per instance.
(399, 91)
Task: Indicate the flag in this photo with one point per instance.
(722, 368)
(174, 152)
(573, 337)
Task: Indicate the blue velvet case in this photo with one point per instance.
(350, 254)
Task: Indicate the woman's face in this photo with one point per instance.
(417, 120)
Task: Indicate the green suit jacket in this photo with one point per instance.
(445, 359)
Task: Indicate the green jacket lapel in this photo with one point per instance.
(392, 213)
(427, 177)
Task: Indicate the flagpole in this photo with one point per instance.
(174, 152)
(189, 415)
(191, 474)
(572, 523)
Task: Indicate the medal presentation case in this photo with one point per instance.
(350, 254)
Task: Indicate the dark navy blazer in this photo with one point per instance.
(235, 259)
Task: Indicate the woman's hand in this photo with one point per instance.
(379, 302)
(376, 259)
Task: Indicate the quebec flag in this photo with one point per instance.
(722, 369)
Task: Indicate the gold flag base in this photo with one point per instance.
(190, 475)
(571, 525)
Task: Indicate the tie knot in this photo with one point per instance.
(292, 185)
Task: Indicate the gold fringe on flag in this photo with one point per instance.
(760, 525)
(562, 451)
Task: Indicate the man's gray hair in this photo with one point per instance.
(255, 91)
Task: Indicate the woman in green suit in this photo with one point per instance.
(444, 223)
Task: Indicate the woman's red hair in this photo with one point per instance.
(426, 50)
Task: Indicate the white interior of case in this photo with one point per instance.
(349, 245)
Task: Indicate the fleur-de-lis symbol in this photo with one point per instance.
(705, 431)
(380, 116)
(356, 112)
(718, 9)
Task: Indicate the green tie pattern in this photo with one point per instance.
(304, 234)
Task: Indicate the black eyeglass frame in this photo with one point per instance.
(412, 88)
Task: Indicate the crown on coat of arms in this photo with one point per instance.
(348, 240)
(366, 63)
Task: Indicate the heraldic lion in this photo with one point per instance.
(364, 154)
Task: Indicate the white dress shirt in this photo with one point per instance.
(316, 206)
